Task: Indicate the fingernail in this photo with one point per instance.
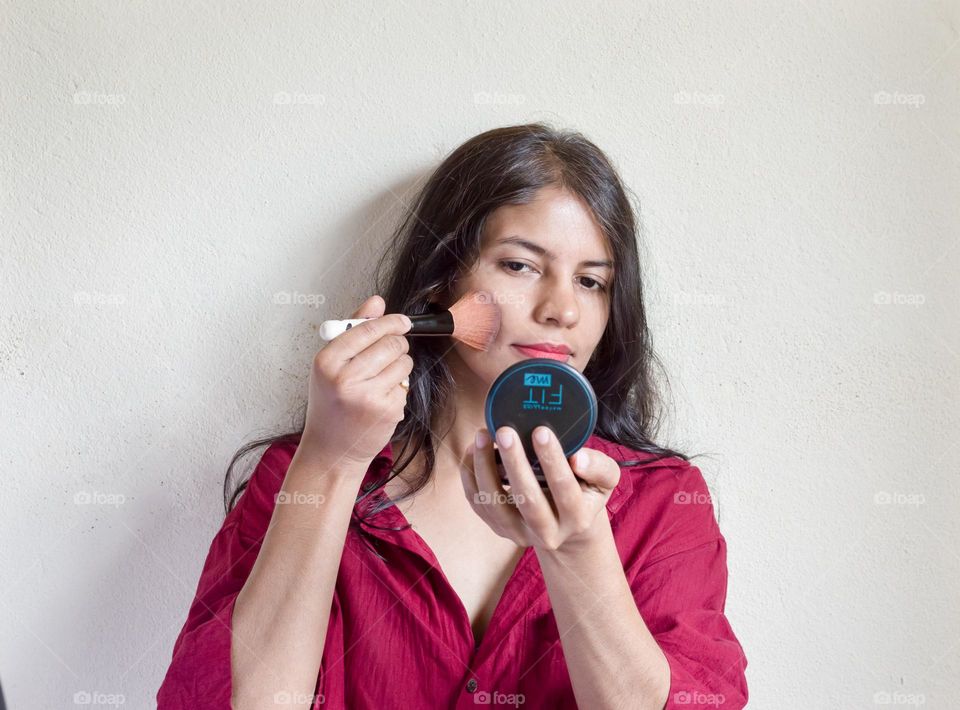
(580, 459)
(542, 435)
(505, 439)
(482, 439)
(409, 322)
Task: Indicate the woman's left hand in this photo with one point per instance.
(562, 516)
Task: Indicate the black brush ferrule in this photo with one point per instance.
(432, 324)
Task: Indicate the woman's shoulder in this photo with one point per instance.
(648, 470)
(662, 500)
(255, 505)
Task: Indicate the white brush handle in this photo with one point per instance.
(330, 329)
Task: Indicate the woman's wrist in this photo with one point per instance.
(316, 462)
(315, 489)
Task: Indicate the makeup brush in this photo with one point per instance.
(473, 320)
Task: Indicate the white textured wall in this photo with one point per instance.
(802, 232)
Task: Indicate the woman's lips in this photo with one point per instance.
(531, 352)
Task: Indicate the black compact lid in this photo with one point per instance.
(542, 392)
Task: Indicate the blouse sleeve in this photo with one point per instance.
(199, 673)
(682, 599)
(681, 594)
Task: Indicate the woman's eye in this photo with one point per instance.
(599, 287)
(508, 264)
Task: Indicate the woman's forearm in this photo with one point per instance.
(612, 658)
(281, 615)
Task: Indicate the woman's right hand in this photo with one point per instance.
(355, 400)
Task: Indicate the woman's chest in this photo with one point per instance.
(476, 562)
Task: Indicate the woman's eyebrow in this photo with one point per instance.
(540, 251)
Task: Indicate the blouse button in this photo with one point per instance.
(471, 685)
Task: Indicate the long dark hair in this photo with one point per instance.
(440, 236)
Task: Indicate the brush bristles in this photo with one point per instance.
(476, 319)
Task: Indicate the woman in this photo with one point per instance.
(373, 559)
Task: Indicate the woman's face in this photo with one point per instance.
(559, 296)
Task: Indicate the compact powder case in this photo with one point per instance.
(542, 392)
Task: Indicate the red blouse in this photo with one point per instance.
(399, 636)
